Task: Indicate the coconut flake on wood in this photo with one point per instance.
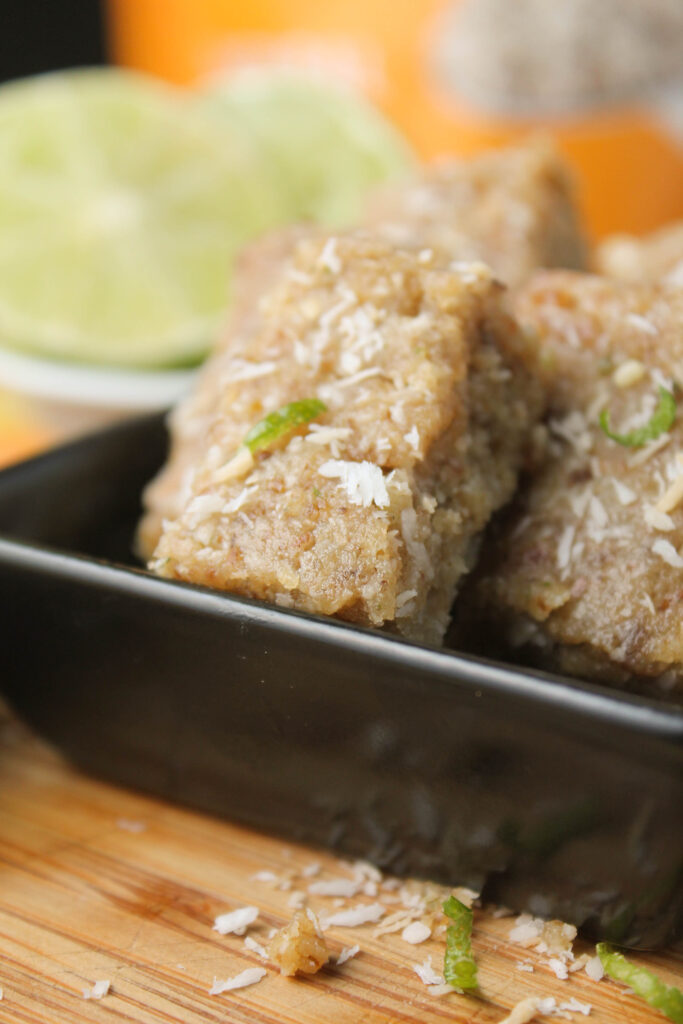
(559, 968)
(98, 991)
(347, 953)
(427, 974)
(255, 947)
(523, 1011)
(346, 887)
(594, 968)
(416, 932)
(251, 976)
(575, 1006)
(235, 922)
(364, 913)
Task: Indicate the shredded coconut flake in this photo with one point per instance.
(648, 451)
(202, 508)
(625, 496)
(594, 969)
(325, 435)
(255, 947)
(671, 498)
(416, 933)
(98, 991)
(427, 974)
(235, 922)
(413, 438)
(404, 597)
(335, 887)
(574, 1006)
(559, 968)
(353, 917)
(243, 370)
(667, 552)
(328, 258)
(347, 953)
(126, 825)
(523, 1011)
(641, 323)
(527, 930)
(251, 976)
(239, 465)
(349, 382)
(597, 512)
(236, 503)
(564, 548)
(264, 876)
(363, 481)
(658, 520)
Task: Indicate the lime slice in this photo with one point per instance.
(325, 144)
(121, 208)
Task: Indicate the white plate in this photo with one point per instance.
(71, 397)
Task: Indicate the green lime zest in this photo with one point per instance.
(459, 968)
(666, 998)
(283, 421)
(660, 421)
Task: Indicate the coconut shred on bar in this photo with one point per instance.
(372, 510)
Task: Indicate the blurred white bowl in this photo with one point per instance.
(71, 398)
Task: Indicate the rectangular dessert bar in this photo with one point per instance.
(587, 573)
(371, 511)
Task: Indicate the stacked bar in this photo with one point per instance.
(372, 511)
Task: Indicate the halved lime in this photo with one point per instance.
(324, 143)
(122, 203)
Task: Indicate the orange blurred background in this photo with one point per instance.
(628, 162)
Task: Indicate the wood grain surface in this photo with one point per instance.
(82, 898)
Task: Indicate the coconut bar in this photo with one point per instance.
(513, 209)
(587, 575)
(372, 510)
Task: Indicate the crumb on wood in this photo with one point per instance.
(299, 947)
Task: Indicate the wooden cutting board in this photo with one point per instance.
(100, 883)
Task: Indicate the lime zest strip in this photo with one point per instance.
(265, 433)
(459, 968)
(660, 421)
(666, 998)
(283, 421)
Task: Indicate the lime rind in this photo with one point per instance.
(124, 201)
(122, 207)
(326, 144)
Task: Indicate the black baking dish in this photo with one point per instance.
(558, 797)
